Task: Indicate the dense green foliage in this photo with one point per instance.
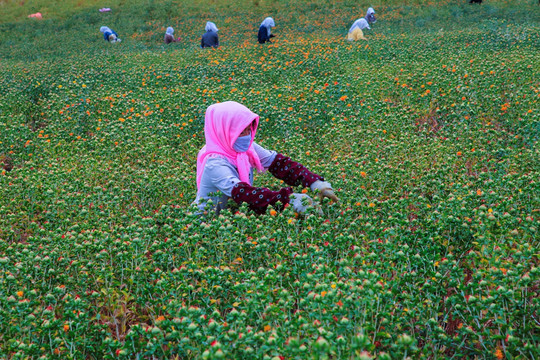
(429, 133)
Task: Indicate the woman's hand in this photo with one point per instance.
(325, 190)
(302, 202)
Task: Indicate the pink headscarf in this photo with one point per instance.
(223, 123)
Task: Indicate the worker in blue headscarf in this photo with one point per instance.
(210, 37)
(265, 32)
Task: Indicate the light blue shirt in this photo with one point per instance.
(219, 177)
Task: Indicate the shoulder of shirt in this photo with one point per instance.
(216, 158)
(216, 161)
(218, 168)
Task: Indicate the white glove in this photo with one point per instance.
(301, 202)
(325, 190)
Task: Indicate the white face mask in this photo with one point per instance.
(242, 143)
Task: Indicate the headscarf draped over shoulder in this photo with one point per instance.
(268, 23)
(210, 26)
(361, 24)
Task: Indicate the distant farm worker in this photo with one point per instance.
(210, 37)
(36, 16)
(225, 165)
(265, 32)
(355, 32)
(169, 38)
(370, 16)
(109, 35)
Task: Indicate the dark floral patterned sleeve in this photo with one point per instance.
(293, 173)
(259, 198)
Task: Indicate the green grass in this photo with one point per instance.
(428, 132)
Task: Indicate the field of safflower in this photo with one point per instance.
(428, 132)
